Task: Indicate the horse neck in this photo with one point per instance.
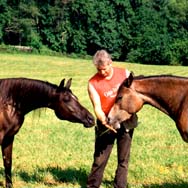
(39, 99)
(30, 96)
(159, 93)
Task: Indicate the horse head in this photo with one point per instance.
(67, 106)
(127, 103)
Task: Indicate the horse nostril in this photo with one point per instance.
(91, 120)
(108, 120)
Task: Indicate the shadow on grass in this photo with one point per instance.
(168, 185)
(57, 176)
(179, 184)
(77, 176)
(2, 175)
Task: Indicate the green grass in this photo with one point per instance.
(52, 153)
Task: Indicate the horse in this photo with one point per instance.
(167, 93)
(19, 96)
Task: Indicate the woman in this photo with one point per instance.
(102, 89)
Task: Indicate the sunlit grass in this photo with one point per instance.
(52, 153)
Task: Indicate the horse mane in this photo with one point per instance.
(159, 76)
(14, 88)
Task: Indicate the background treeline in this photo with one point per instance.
(143, 31)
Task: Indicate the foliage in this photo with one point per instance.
(149, 32)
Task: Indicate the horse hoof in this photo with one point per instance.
(9, 185)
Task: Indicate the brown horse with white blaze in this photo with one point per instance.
(19, 96)
(167, 93)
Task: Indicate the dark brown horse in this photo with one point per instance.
(18, 96)
(165, 92)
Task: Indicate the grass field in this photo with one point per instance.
(52, 153)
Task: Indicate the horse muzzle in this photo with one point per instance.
(89, 121)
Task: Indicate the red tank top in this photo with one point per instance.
(107, 89)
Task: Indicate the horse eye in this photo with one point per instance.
(119, 98)
(66, 98)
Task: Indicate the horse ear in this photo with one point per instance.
(128, 81)
(68, 84)
(61, 85)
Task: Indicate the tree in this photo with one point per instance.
(3, 13)
(21, 23)
(143, 31)
(153, 30)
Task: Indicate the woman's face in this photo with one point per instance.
(105, 69)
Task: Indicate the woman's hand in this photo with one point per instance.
(110, 127)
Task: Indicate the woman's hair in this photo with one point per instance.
(102, 56)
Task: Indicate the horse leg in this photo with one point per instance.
(182, 124)
(183, 132)
(7, 159)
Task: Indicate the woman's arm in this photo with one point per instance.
(95, 99)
